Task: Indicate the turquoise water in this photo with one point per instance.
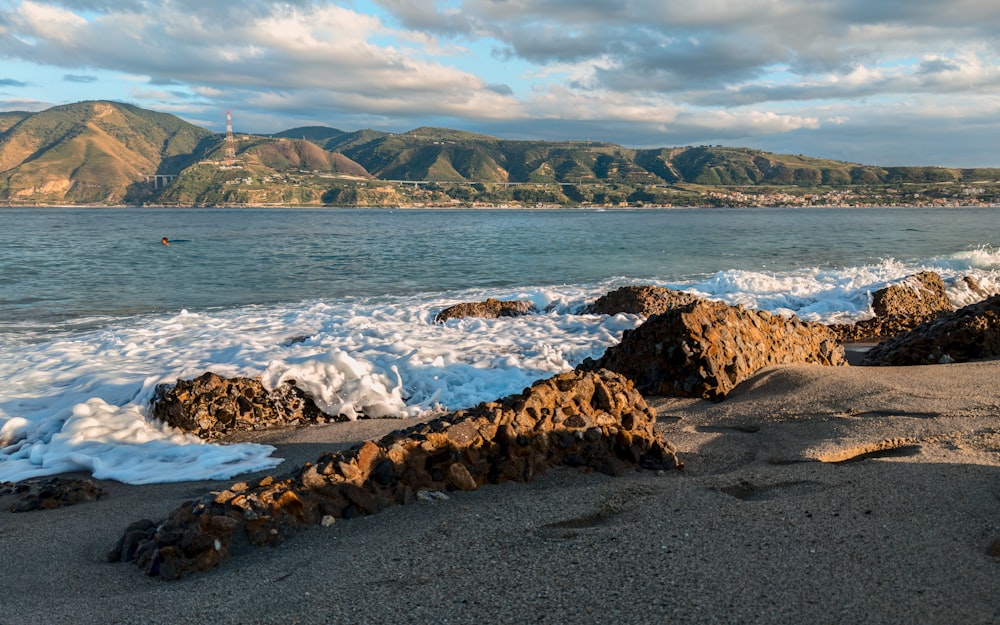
(59, 265)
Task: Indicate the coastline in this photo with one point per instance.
(553, 207)
(758, 528)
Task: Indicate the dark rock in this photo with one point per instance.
(969, 333)
(705, 349)
(490, 309)
(595, 420)
(212, 406)
(644, 300)
(48, 493)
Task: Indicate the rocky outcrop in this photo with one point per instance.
(974, 286)
(48, 493)
(969, 333)
(644, 300)
(706, 348)
(490, 309)
(918, 295)
(212, 406)
(901, 307)
(595, 420)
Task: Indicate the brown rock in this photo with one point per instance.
(918, 295)
(490, 309)
(705, 349)
(588, 419)
(644, 300)
(973, 285)
(212, 406)
(460, 478)
(966, 334)
(901, 307)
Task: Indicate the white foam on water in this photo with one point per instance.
(845, 295)
(79, 400)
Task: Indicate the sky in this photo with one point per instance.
(887, 82)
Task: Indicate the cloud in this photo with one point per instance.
(10, 82)
(633, 71)
(80, 78)
(24, 104)
(298, 50)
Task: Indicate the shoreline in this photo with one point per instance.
(490, 208)
(758, 528)
(553, 207)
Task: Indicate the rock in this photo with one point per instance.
(595, 420)
(490, 309)
(644, 300)
(969, 333)
(918, 295)
(974, 286)
(704, 349)
(212, 406)
(900, 308)
(48, 493)
(994, 549)
(876, 328)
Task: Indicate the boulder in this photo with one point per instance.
(919, 295)
(974, 286)
(490, 309)
(901, 307)
(644, 300)
(969, 333)
(212, 406)
(704, 349)
(48, 493)
(594, 420)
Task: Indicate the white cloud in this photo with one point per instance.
(631, 71)
(37, 21)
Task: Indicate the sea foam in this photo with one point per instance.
(78, 400)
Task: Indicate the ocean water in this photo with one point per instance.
(95, 311)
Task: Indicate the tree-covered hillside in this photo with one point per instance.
(106, 152)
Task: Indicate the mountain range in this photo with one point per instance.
(102, 152)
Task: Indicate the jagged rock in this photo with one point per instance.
(918, 295)
(212, 406)
(704, 349)
(644, 300)
(901, 307)
(966, 334)
(974, 286)
(595, 420)
(490, 309)
(49, 493)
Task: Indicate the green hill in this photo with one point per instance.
(103, 153)
(9, 118)
(89, 152)
(319, 135)
(266, 171)
(441, 155)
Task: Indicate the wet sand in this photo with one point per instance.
(812, 494)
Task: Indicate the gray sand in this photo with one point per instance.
(757, 529)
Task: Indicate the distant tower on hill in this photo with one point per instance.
(230, 140)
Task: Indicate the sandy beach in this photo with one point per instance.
(811, 495)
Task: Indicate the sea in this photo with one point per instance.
(95, 311)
